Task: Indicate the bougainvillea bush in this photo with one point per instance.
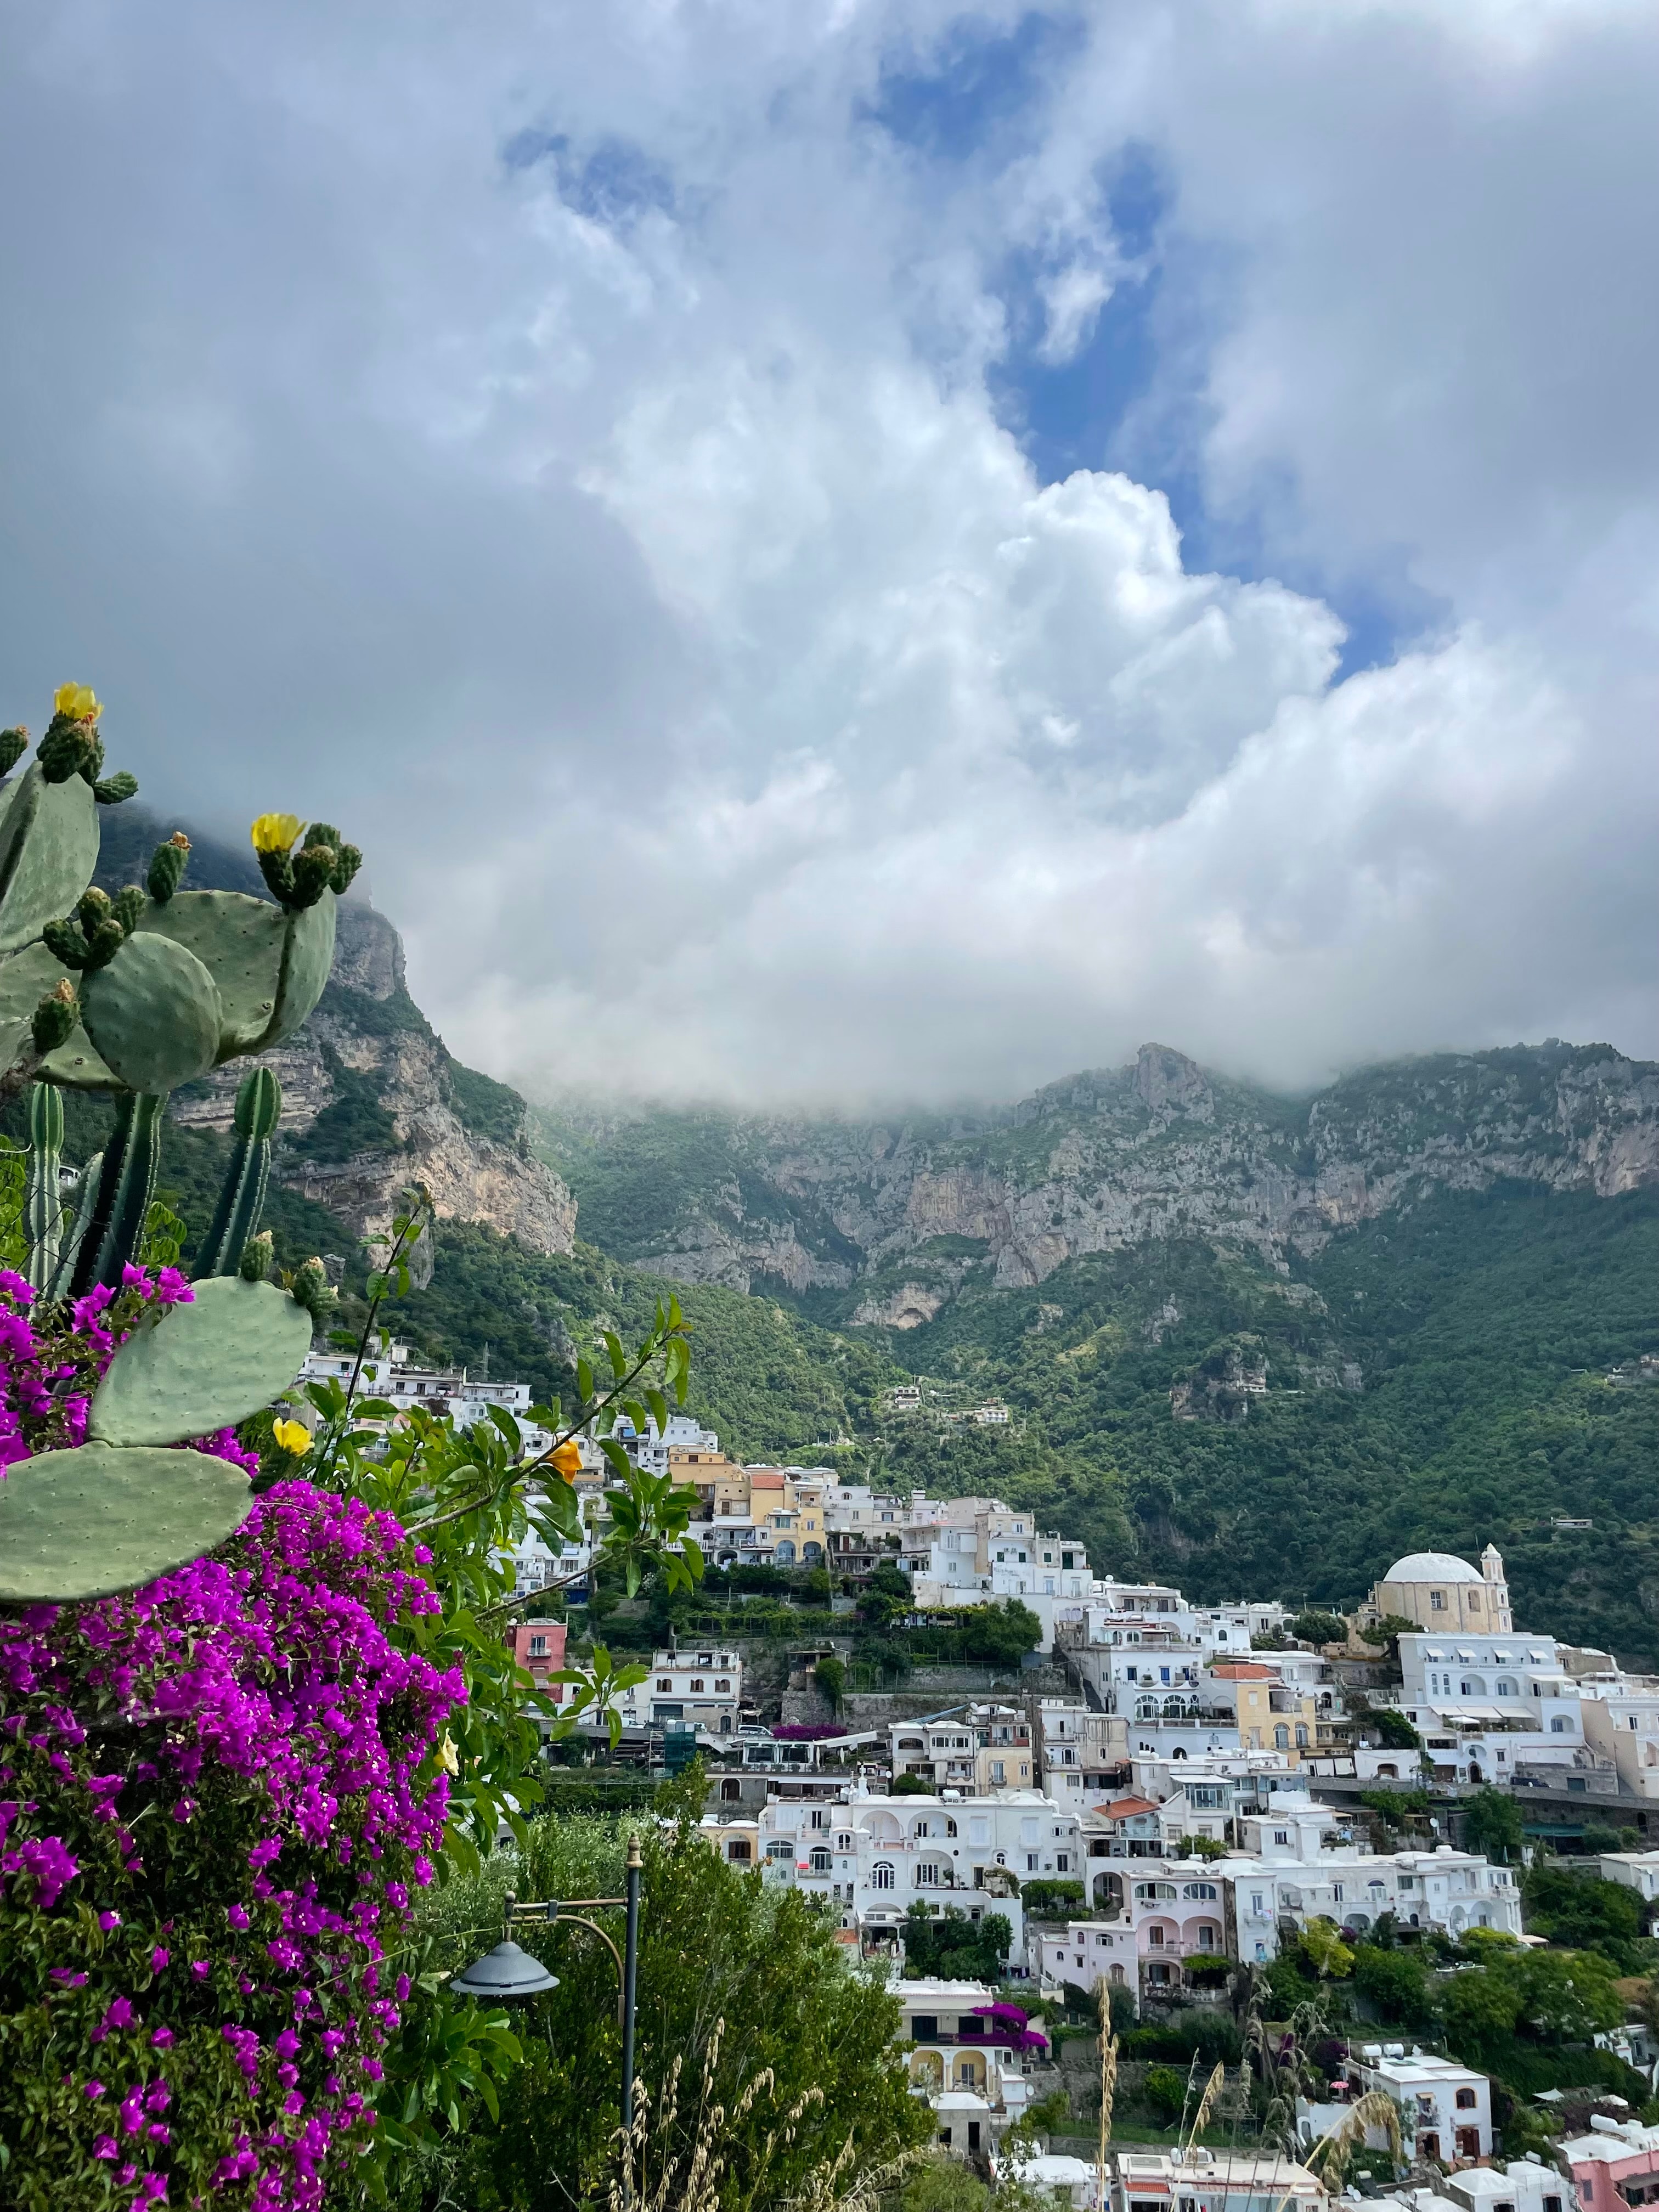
(216, 1795)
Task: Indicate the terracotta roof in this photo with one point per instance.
(1243, 1670)
(1126, 1808)
(759, 1479)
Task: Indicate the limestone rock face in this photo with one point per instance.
(368, 1028)
(901, 1213)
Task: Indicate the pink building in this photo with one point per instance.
(538, 1647)
(1615, 2165)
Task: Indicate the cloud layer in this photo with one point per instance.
(586, 451)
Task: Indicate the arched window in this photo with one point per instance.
(1281, 1737)
(1302, 1736)
(1560, 1725)
(820, 1860)
(881, 1876)
(730, 1788)
(1199, 1889)
(1207, 1935)
(1466, 2100)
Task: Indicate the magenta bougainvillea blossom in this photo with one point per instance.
(217, 1794)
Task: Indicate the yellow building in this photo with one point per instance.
(1271, 1715)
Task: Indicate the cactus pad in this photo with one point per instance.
(153, 1014)
(270, 965)
(90, 1523)
(25, 980)
(48, 850)
(201, 1366)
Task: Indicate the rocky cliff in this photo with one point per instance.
(897, 1215)
(372, 1100)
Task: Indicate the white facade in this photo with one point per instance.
(701, 1689)
(1445, 2109)
(1636, 1870)
(1450, 1890)
(1200, 2180)
(875, 1857)
(974, 2079)
(395, 1375)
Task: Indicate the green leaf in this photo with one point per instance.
(618, 1358)
(585, 1378)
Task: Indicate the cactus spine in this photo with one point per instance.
(44, 1204)
(236, 1217)
(126, 1182)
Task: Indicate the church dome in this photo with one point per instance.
(1432, 1567)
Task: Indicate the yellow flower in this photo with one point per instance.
(293, 1436)
(446, 1756)
(76, 701)
(567, 1460)
(276, 833)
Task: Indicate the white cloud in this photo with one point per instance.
(621, 537)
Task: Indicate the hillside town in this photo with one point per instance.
(1163, 1800)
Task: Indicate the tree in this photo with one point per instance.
(1324, 1949)
(1492, 1824)
(1166, 2090)
(955, 1948)
(1395, 1981)
(1580, 1910)
(1479, 2006)
(832, 1681)
(1316, 1626)
(1395, 1732)
(717, 1945)
(911, 1785)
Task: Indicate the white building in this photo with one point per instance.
(975, 1748)
(875, 1857)
(1620, 1714)
(701, 1689)
(396, 1376)
(1452, 1891)
(1636, 1870)
(977, 1551)
(966, 2063)
(1445, 2109)
(1200, 2180)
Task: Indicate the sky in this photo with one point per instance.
(843, 551)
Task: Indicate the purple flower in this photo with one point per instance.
(158, 1958)
(94, 2089)
(117, 2016)
(108, 1920)
(106, 2147)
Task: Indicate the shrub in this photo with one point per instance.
(1051, 1898)
(220, 1791)
(1165, 2091)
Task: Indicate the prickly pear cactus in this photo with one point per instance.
(134, 995)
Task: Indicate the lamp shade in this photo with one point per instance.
(506, 1973)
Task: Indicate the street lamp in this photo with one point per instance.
(508, 1973)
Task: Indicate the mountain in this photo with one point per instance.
(901, 1216)
(1250, 1343)
(373, 1099)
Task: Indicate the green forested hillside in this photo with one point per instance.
(1482, 1328)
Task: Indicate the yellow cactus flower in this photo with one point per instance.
(447, 1755)
(293, 1436)
(76, 701)
(276, 833)
(567, 1460)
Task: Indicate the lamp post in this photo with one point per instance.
(508, 1974)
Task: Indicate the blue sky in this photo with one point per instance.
(880, 551)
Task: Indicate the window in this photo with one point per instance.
(1465, 2104)
(723, 1687)
(730, 1788)
(1301, 1735)
(1062, 1862)
(820, 1860)
(697, 1684)
(1336, 1893)
(665, 1682)
(820, 1816)
(1033, 1863)
(1281, 1835)
(537, 1646)
(1437, 1600)
(1281, 1737)
(1474, 1606)
(881, 1876)
(737, 1850)
(779, 1848)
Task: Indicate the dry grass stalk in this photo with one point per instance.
(1108, 2088)
(691, 2173)
(1376, 2109)
(1213, 2089)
